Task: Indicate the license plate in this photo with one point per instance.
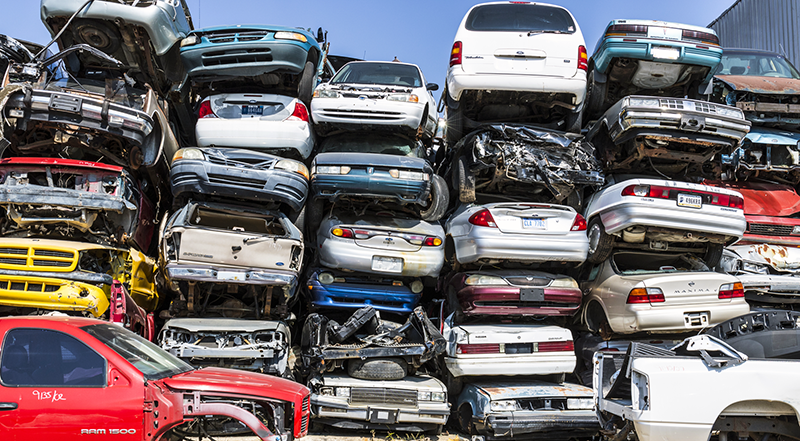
(236, 276)
(387, 264)
(665, 53)
(695, 319)
(382, 416)
(688, 200)
(252, 110)
(528, 222)
(531, 295)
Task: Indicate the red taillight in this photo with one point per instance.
(622, 29)
(579, 224)
(343, 232)
(642, 295)
(455, 54)
(736, 202)
(583, 58)
(205, 110)
(300, 113)
(705, 37)
(432, 241)
(556, 346)
(483, 218)
(653, 191)
(731, 290)
(483, 348)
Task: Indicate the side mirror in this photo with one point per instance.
(321, 35)
(432, 87)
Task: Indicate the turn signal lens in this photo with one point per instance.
(283, 35)
(648, 295)
(431, 241)
(731, 290)
(343, 232)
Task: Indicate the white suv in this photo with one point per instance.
(516, 62)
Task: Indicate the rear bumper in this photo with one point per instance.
(672, 319)
(506, 300)
(535, 364)
(203, 177)
(333, 187)
(224, 59)
(383, 297)
(553, 424)
(655, 214)
(641, 50)
(489, 243)
(459, 81)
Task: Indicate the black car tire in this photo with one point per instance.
(595, 97)
(437, 201)
(298, 218)
(464, 180)
(464, 416)
(314, 212)
(573, 122)
(453, 384)
(713, 255)
(454, 130)
(378, 368)
(600, 243)
(305, 88)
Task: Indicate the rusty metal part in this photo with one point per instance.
(766, 85)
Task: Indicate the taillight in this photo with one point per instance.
(343, 232)
(731, 290)
(579, 224)
(705, 37)
(623, 29)
(583, 58)
(300, 113)
(432, 241)
(648, 295)
(455, 54)
(482, 348)
(205, 110)
(736, 202)
(556, 346)
(653, 191)
(483, 218)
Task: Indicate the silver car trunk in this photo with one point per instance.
(252, 105)
(540, 219)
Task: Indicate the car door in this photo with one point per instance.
(53, 385)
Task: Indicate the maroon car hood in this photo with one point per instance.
(764, 199)
(762, 84)
(221, 380)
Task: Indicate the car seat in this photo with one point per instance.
(16, 370)
(737, 70)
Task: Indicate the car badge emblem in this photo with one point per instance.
(529, 278)
(362, 97)
(520, 52)
(691, 283)
(370, 170)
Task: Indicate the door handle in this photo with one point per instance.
(8, 406)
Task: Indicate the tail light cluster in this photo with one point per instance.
(455, 54)
(205, 110)
(499, 348)
(626, 29)
(483, 218)
(300, 113)
(659, 192)
(583, 58)
(645, 295)
(704, 37)
(414, 239)
(641, 31)
(579, 224)
(731, 290)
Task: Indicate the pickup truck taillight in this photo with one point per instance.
(731, 290)
(645, 295)
(300, 113)
(483, 218)
(583, 58)
(455, 54)
(205, 110)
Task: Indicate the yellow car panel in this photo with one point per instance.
(52, 294)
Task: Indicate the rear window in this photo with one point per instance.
(394, 74)
(372, 143)
(656, 263)
(204, 217)
(520, 17)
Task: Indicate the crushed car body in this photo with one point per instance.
(767, 153)
(770, 273)
(769, 334)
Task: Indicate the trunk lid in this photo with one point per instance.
(534, 219)
(263, 106)
(509, 333)
(686, 288)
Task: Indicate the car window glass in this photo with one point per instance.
(519, 17)
(42, 357)
(638, 263)
(370, 143)
(755, 64)
(593, 273)
(204, 217)
(394, 74)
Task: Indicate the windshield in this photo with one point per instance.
(520, 18)
(394, 74)
(152, 361)
(118, 90)
(640, 263)
(371, 143)
(756, 64)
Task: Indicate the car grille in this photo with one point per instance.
(259, 165)
(524, 281)
(770, 229)
(306, 404)
(36, 258)
(379, 395)
(672, 104)
(241, 182)
(235, 37)
(11, 285)
(304, 424)
(362, 114)
(543, 403)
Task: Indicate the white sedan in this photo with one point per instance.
(275, 124)
(373, 94)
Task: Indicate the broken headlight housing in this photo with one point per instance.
(503, 406)
(189, 153)
(403, 97)
(325, 93)
(755, 267)
(580, 403)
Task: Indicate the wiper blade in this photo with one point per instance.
(543, 31)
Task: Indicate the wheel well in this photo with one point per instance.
(593, 317)
(313, 56)
(761, 407)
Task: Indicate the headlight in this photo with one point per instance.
(796, 229)
(331, 170)
(732, 112)
(343, 392)
(504, 406)
(643, 102)
(190, 41)
(566, 282)
(481, 280)
(438, 396)
(327, 391)
(580, 403)
(325, 93)
(409, 175)
(403, 97)
(295, 166)
(189, 153)
(423, 395)
(284, 35)
(325, 278)
(417, 286)
(755, 268)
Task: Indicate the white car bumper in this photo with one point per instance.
(497, 364)
(255, 133)
(684, 318)
(366, 112)
(459, 81)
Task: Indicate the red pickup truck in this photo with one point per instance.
(70, 378)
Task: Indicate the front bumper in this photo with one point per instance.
(548, 424)
(490, 244)
(204, 177)
(459, 81)
(52, 294)
(346, 254)
(338, 413)
(256, 134)
(770, 288)
(708, 125)
(378, 185)
(201, 273)
(645, 318)
(381, 296)
(496, 364)
(506, 300)
(666, 214)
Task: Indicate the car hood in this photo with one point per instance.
(233, 381)
(765, 85)
(222, 325)
(781, 258)
(508, 390)
(765, 199)
(372, 159)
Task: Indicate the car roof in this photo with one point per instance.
(513, 2)
(737, 50)
(381, 62)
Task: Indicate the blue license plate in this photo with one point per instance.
(528, 222)
(252, 110)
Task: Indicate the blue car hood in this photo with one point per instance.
(373, 159)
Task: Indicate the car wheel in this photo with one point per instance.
(305, 88)
(465, 419)
(464, 180)
(455, 125)
(378, 368)
(314, 213)
(573, 122)
(713, 255)
(595, 97)
(454, 384)
(298, 218)
(596, 320)
(600, 243)
(436, 431)
(437, 200)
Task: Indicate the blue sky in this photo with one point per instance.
(414, 31)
